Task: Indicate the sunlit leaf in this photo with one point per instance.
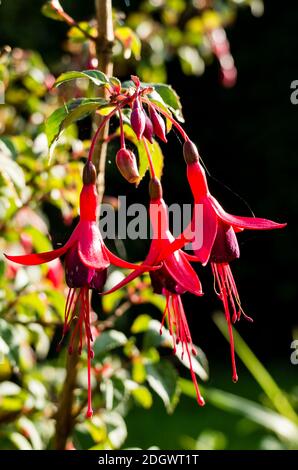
(143, 397)
(95, 76)
(28, 428)
(156, 336)
(13, 171)
(253, 411)
(77, 34)
(141, 323)
(163, 379)
(20, 441)
(50, 8)
(65, 115)
(130, 42)
(107, 341)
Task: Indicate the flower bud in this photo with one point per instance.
(127, 165)
(190, 152)
(159, 126)
(89, 173)
(138, 120)
(155, 189)
(148, 131)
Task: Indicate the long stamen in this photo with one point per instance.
(164, 315)
(78, 324)
(68, 308)
(227, 295)
(187, 341)
(89, 351)
(176, 315)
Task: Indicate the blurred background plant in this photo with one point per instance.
(134, 371)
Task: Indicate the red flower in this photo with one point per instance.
(220, 245)
(175, 277)
(86, 262)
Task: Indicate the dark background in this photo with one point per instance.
(247, 138)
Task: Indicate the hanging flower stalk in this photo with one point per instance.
(87, 258)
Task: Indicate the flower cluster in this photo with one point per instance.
(87, 259)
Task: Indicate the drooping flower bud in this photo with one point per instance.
(127, 165)
(155, 189)
(138, 119)
(89, 173)
(148, 131)
(88, 196)
(190, 152)
(159, 126)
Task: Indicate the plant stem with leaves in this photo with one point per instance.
(104, 44)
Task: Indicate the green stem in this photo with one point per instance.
(258, 371)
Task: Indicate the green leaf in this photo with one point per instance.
(107, 341)
(31, 306)
(163, 379)
(116, 427)
(11, 170)
(130, 42)
(138, 371)
(115, 83)
(143, 397)
(9, 389)
(163, 95)
(111, 301)
(153, 338)
(141, 323)
(170, 98)
(82, 438)
(258, 371)
(65, 115)
(28, 428)
(191, 61)
(39, 240)
(77, 35)
(255, 412)
(20, 441)
(49, 10)
(96, 76)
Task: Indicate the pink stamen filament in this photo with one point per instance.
(83, 321)
(176, 316)
(98, 130)
(168, 116)
(151, 166)
(122, 136)
(227, 294)
(86, 310)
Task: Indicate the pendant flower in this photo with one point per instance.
(172, 277)
(219, 245)
(86, 262)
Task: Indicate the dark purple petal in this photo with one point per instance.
(161, 279)
(76, 273)
(99, 279)
(225, 248)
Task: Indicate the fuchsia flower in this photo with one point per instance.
(220, 245)
(86, 262)
(174, 277)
